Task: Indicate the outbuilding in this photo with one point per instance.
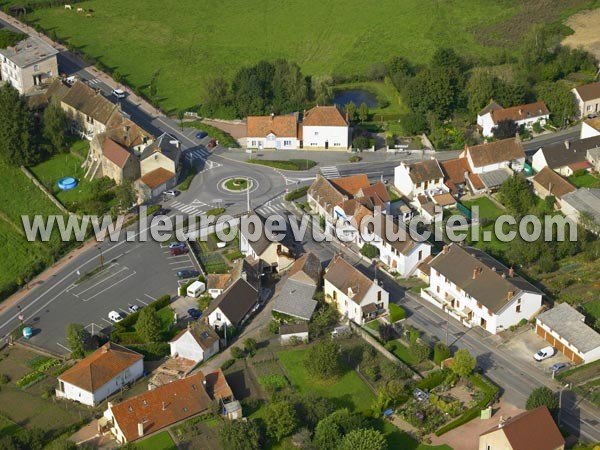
(293, 332)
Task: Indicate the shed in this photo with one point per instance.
(288, 333)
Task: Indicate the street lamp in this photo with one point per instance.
(101, 255)
(566, 386)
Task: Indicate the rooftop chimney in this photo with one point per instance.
(140, 429)
(510, 295)
(475, 273)
(163, 406)
(567, 144)
(501, 422)
(347, 116)
(520, 112)
(445, 249)
(350, 292)
(244, 275)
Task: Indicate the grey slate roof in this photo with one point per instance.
(236, 301)
(585, 200)
(296, 299)
(29, 51)
(292, 328)
(489, 287)
(495, 178)
(165, 144)
(558, 155)
(569, 324)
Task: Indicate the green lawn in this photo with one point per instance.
(402, 353)
(348, 390)
(585, 180)
(487, 208)
(190, 41)
(593, 308)
(384, 90)
(160, 441)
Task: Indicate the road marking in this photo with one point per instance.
(107, 321)
(142, 301)
(101, 281)
(109, 287)
(125, 312)
(150, 297)
(188, 264)
(330, 172)
(66, 348)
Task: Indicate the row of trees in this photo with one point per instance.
(26, 138)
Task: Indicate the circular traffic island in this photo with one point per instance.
(237, 184)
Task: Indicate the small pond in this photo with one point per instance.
(358, 96)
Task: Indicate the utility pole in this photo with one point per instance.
(248, 194)
(566, 386)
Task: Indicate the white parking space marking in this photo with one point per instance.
(109, 287)
(107, 321)
(150, 297)
(123, 269)
(142, 302)
(66, 348)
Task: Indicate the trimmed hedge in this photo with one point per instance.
(185, 185)
(296, 194)
(227, 364)
(432, 380)
(132, 318)
(490, 392)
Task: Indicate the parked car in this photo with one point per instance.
(201, 134)
(558, 366)
(133, 308)
(212, 143)
(544, 353)
(161, 212)
(188, 274)
(119, 93)
(171, 193)
(194, 313)
(176, 244)
(177, 251)
(592, 116)
(115, 316)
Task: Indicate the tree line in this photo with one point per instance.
(26, 136)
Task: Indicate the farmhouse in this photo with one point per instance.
(28, 65)
(324, 127)
(564, 328)
(565, 157)
(587, 98)
(525, 115)
(353, 294)
(198, 342)
(478, 290)
(419, 178)
(233, 307)
(530, 430)
(101, 374)
(547, 182)
(272, 132)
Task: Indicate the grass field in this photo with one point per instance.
(487, 208)
(160, 441)
(587, 180)
(188, 42)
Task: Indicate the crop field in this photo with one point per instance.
(182, 43)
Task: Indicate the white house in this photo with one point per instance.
(497, 155)
(234, 306)
(259, 244)
(30, 63)
(590, 128)
(353, 294)
(478, 290)
(324, 127)
(198, 342)
(525, 115)
(419, 178)
(101, 374)
(565, 157)
(564, 328)
(587, 98)
(272, 132)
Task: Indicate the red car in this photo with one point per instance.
(179, 251)
(212, 143)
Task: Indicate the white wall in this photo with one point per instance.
(402, 181)
(486, 123)
(588, 357)
(285, 338)
(187, 347)
(316, 137)
(218, 318)
(155, 161)
(588, 131)
(345, 305)
(272, 141)
(22, 79)
(538, 161)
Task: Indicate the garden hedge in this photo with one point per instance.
(296, 194)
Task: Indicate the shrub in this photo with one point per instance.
(4, 378)
(369, 251)
(354, 159)
(237, 352)
(30, 378)
(227, 364)
(396, 312)
(185, 185)
(296, 194)
(432, 380)
(440, 353)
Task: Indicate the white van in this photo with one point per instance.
(115, 316)
(195, 289)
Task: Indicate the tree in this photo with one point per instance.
(363, 112)
(312, 408)
(55, 127)
(323, 359)
(363, 439)
(148, 325)
(332, 428)
(250, 346)
(280, 419)
(430, 91)
(559, 99)
(239, 435)
(413, 123)
(18, 137)
(419, 350)
(479, 89)
(505, 129)
(361, 142)
(215, 96)
(351, 110)
(369, 251)
(125, 195)
(75, 333)
(440, 353)
(386, 331)
(516, 195)
(399, 70)
(463, 363)
(236, 352)
(542, 396)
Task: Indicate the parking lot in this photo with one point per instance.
(137, 275)
(525, 344)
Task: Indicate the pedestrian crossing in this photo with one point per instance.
(330, 172)
(202, 154)
(196, 208)
(271, 208)
(94, 81)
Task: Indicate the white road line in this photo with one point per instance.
(66, 348)
(175, 263)
(142, 301)
(126, 312)
(183, 267)
(101, 281)
(109, 287)
(150, 297)
(107, 321)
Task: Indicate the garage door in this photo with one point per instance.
(558, 345)
(540, 332)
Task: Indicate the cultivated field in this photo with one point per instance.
(187, 41)
(585, 26)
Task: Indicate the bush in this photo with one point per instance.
(396, 313)
(369, 251)
(296, 194)
(30, 378)
(273, 383)
(227, 364)
(290, 164)
(185, 185)
(237, 352)
(4, 378)
(440, 353)
(224, 139)
(419, 351)
(432, 380)
(354, 159)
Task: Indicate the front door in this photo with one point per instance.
(326, 145)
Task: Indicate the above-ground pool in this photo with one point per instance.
(67, 183)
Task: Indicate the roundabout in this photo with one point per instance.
(235, 185)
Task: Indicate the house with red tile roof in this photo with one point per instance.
(101, 374)
(531, 430)
(325, 128)
(274, 132)
(525, 115)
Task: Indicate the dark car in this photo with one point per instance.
(188, 273)
(558, 366)
(161, 212)
(176, 244)
(179, 251)
(212, 143)
(133, 308)
(201, 134)
(592, 116)
(194, 313)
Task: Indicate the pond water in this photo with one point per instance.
(358, 96)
